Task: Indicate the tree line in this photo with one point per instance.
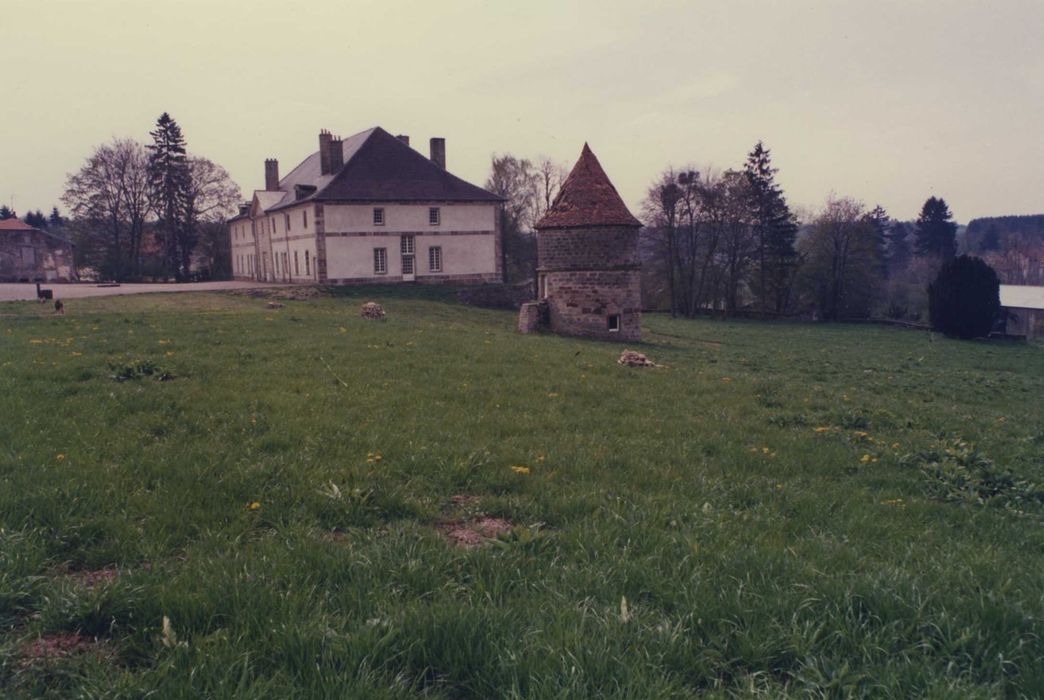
(150, 210)
(727, 242)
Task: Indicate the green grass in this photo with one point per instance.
(895, 551)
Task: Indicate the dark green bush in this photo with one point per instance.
(964, 299)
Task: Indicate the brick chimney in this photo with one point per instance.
(438, 152)
(404, 138)
(336, 154)
(271, 174)
(324, 152)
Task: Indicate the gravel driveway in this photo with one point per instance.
(82, 290)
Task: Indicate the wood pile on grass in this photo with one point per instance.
(372, 311)
(630, 358)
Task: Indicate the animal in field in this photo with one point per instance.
(43, 294)
(59, 307)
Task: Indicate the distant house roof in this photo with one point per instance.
(19, 225)
(378, 167)
(16, 225)
(587, 198)
(1021, 296)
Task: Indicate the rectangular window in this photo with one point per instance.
(433, 216)
(297, 268)
(406, 245)
(614, 323)
(304, 218)
(286, 220)
(435, 258)
(308, 272)
(380, 261)
(378, 217)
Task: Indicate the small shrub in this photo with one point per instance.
(139, 370)
(961, 474)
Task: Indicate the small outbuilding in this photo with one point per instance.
(588, 266)
(29, 254)
(1023, 309)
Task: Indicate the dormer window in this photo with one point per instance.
(378, 216)
(434, 216)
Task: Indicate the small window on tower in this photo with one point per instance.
(614, 323)
(434, 216)
(378, 217)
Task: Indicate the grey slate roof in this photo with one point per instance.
(377, 168)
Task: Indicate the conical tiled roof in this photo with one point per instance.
(587, 198)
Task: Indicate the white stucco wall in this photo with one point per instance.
(357, 218)
(351, 257)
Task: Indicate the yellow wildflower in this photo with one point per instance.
(865, 459)
(34, 341)
(895, 445)
(76, 354)
(253, 505)
(765, 450)
(822, 429)
(553, 395)
(520, 470)
(343, 329)
(60, 457)
(862, 434)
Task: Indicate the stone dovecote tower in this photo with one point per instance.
(588, 268)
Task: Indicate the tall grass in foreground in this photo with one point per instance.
(778, 509)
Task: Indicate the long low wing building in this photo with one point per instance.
(1023, 308)
(366, 209)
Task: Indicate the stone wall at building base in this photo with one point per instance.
(604, 304)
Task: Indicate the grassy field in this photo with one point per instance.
(776, 509)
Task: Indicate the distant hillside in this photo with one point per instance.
(988, 233)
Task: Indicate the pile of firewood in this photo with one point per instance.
(372, 311)
(635, 359)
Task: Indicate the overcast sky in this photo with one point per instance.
(886, 101)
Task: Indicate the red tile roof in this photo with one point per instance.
(15, 225)
(587, 198)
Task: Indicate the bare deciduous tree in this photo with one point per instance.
(110, 191)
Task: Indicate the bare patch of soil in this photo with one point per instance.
(89, 579)
(58, 646)
(474, 532)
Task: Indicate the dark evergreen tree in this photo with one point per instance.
(880, 223)
(36, 219)
(55, 219)
(6, 213)
(936, 231)
(169, 184)
(898, 247)
(964, 299)
(775, 230)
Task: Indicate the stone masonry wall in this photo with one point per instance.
(592, 248)
(581, 302)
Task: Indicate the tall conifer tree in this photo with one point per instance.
(936, 232)
(775, 230)
(169, 184)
